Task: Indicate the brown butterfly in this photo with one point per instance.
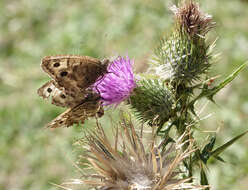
(72, 77)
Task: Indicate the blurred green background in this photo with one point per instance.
(32, 157)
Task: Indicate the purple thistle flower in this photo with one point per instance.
(118, 83)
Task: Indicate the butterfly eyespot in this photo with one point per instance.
(49, 90)
(63, 96)
(57, 64)
(63, 74)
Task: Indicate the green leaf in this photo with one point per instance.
(230, 78)
(167, 128)
(219, 150)
(165, 142)
(204, 179)
(219, 158)
(209, 93)
(197, 156)
(206, 152)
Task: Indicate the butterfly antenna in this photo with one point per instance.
(98, 91)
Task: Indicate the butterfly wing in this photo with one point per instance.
(77, 114)
(58, 95)
(74, 73)
(72, 76)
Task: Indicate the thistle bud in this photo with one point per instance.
(152, 102)
(184, 56)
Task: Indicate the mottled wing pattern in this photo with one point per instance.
(77, 114)
(58, 95)
(74, 73)
(47, 89)
(72, 76)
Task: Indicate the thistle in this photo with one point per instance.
(118, 83)
(128, 164)
(181, 60)
(164, 101)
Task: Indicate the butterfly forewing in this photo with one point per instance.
(74, 73)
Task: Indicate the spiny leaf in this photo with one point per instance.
(209, 93)
(166, 141)
(206, 152)
(210, 145)
(219, 150)
(167, 128)
(226, 81)
(204, 179)
(219, 158)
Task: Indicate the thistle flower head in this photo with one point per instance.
(191, 19)
(118, 83)
(127, 165)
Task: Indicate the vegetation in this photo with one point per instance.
(31, 156)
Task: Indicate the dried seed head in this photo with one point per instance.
(191, 19)
(127, 165)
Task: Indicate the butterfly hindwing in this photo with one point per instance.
(77, 114)
(58, 95)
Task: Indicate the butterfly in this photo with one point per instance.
(72, 77)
